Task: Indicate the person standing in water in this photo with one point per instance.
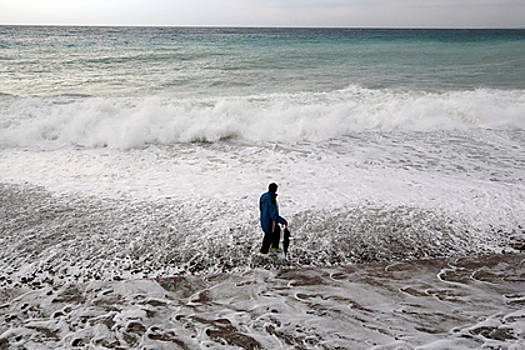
(270, 220)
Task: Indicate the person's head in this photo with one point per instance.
(273, 187)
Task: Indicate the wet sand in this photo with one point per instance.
(468, 303)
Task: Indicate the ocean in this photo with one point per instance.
(132, 161)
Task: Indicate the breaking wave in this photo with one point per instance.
(52, 122)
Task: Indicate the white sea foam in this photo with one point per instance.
(135, 122)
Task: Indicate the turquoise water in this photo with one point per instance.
(106, 61)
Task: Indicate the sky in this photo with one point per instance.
(293, 13)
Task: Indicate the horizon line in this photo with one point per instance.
(261, 26)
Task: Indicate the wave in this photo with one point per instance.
(134, 122)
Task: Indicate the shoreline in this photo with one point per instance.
(444, 303)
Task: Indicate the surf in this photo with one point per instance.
(122, 123)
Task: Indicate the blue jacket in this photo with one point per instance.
(269, 212)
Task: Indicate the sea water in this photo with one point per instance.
(132, 161)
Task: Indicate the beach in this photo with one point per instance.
(465, 303)
(99, 274)
(132, 160)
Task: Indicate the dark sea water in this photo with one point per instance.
(132, 161)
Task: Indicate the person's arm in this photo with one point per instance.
(274, 214)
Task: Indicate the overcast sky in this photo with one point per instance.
(340, 13)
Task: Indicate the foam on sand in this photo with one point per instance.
(466, 303)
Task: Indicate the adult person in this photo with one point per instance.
(270, 220)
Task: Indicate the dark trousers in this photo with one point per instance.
(271, 239)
